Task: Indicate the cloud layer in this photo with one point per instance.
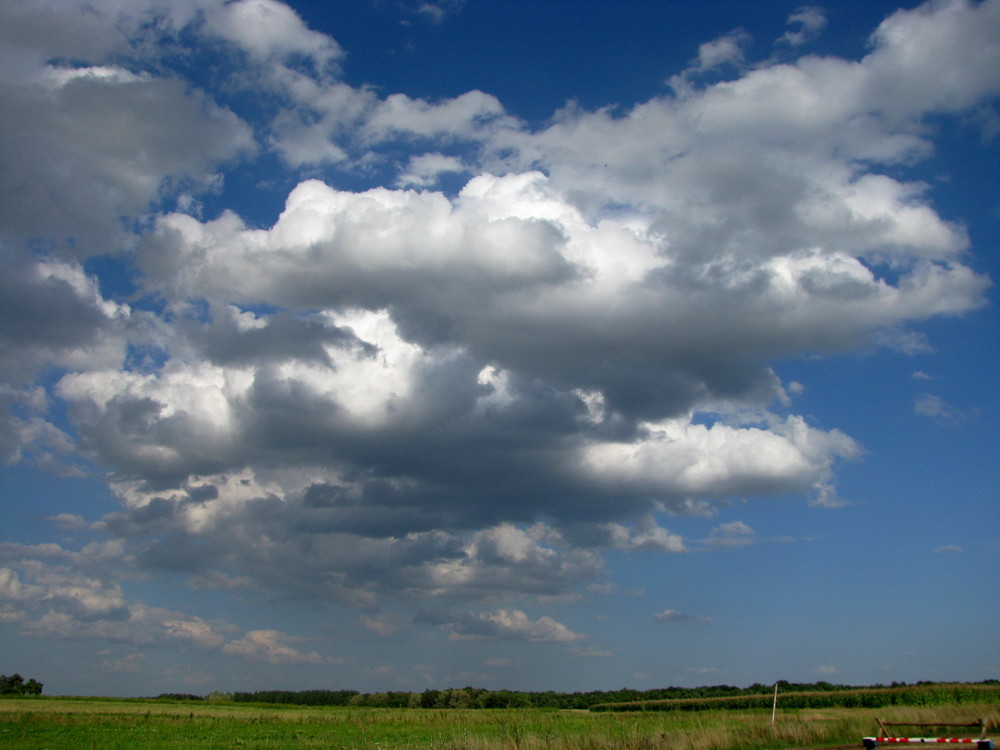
(410, 392)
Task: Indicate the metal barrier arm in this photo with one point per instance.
(979, 724)
(981, 742)
(870, 743)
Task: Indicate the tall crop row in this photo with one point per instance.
(930, 695)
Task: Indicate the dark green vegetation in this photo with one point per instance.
(916, 695)
(792, 695)
(15, 685)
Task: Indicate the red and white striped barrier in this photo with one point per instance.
(873, 742)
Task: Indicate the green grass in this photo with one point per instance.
(68, 724)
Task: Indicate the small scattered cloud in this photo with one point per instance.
(733, 534)
(735, 528)
(949, 548)
(921, 375)
(503, 662)
(11, 614)
(645, 535)
(987, 119)
(383, 625)
(806, 25)
(826, 669)
(425, 170)
(437, 11)
(826, 497)
(68, 521)
(939, 410)
(130, 663)
(672, 615)
(728, 49)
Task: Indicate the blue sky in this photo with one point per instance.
(535, 345)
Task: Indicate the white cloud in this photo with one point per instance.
(936, 408)
(471, 115)
(736, 534)
(60, 602)
(270, 30)
(733, 534)
(75, 171)
(405, 392)
(648, 535)
(11, 587)
(508, 557)
(437, 11)
(383, 625)
(921, 59)
(511, 624)
(727, 49)
(69, 521)
(266, 645)
(679, 459)
(424, 170)
(672, 615)
(807, 22)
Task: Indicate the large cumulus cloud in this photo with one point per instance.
(458, 396)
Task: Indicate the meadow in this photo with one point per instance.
(71, 723)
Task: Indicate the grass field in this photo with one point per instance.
(106, 724)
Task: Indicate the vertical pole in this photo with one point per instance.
(774, 708)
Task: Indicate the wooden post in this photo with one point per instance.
(774, 707)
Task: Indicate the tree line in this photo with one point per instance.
(15, 685)
(471, 697)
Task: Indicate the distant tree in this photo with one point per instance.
(179, 697)
(398, 699)
(15, 685)
(454, 698)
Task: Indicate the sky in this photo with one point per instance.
(396, 345)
